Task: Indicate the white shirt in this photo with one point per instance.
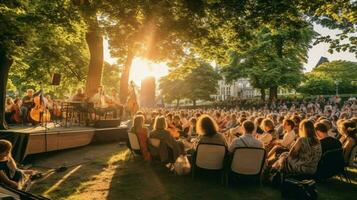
(265, 138)
(288, 139)
(246, 140)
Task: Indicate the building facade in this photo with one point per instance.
(241, 89)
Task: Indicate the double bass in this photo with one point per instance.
(39, 113)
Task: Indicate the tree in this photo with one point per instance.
(193, 80)
(322, 79)
(201, 83)
(94, 37)
(156, 30)
(111, 72)
(20, 23)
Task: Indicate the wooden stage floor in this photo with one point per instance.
(29, 140)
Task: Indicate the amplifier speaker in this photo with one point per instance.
(107, 123)
(56, 79)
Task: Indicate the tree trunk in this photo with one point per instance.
(177, 102)
(94, 40)
(5, 64)
(262, 94)
(124, 79)
(273, 93)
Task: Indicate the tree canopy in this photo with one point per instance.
(324, 78)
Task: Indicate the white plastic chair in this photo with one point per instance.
(210, 157)
(134, 143)
(248, 161)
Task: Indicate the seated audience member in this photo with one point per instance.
(10, 175)
(247, 139)
(27, 104)
(166, 140)
(269, 132)
(330, 164)
(349, 137)
(304, 156)
(9, 110)
(207, 128)
(192, 128)
(289, 134)
(284, 144)
(258, 122)
(142, 134)
(327, 142)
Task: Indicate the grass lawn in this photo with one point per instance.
(106, 172)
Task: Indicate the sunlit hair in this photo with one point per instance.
(307, 129)
(267, 124)
(5, 148)
(138, 122)
(248, 126)
(206, 125)
(160, 123)
(349, 128)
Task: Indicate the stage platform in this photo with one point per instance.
(32, 140)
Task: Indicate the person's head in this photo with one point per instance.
(206, 126)
(29, 92)
(267, 125)
(100, 89)
(5, 148)
(138, 122)
(349, 128)
(327, 123)
(307, 129)
(9, 101)
(160, 123)
(321, 130)
(176, 119)
(193, 121)
(48, 97)
(258, 121)
(248, 127)
(288, 125)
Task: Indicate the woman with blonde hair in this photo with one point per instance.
(348, 130)
(166, 140)
(305, 154)
(142, 133)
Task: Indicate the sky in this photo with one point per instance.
(143, 68)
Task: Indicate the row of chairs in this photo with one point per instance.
(246, 161)
(249, 161)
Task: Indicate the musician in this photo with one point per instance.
(102, 102)
(9, 109)
(79, 96)
(114, 103)
(27, 104)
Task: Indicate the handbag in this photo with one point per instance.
(301, 190)
(182, 166)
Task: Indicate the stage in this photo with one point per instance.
(28, 140)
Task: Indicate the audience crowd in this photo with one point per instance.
(295, 137)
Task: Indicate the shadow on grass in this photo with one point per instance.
(136, 179)
(61, 185)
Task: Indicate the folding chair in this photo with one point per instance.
(134, 144)
(330, 164)
(248, 161)
(210, 157)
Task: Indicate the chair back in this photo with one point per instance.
(134, 141)
(155, 142)
(210, 156)
(352, 162)
(248, 160)
(331, 163)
